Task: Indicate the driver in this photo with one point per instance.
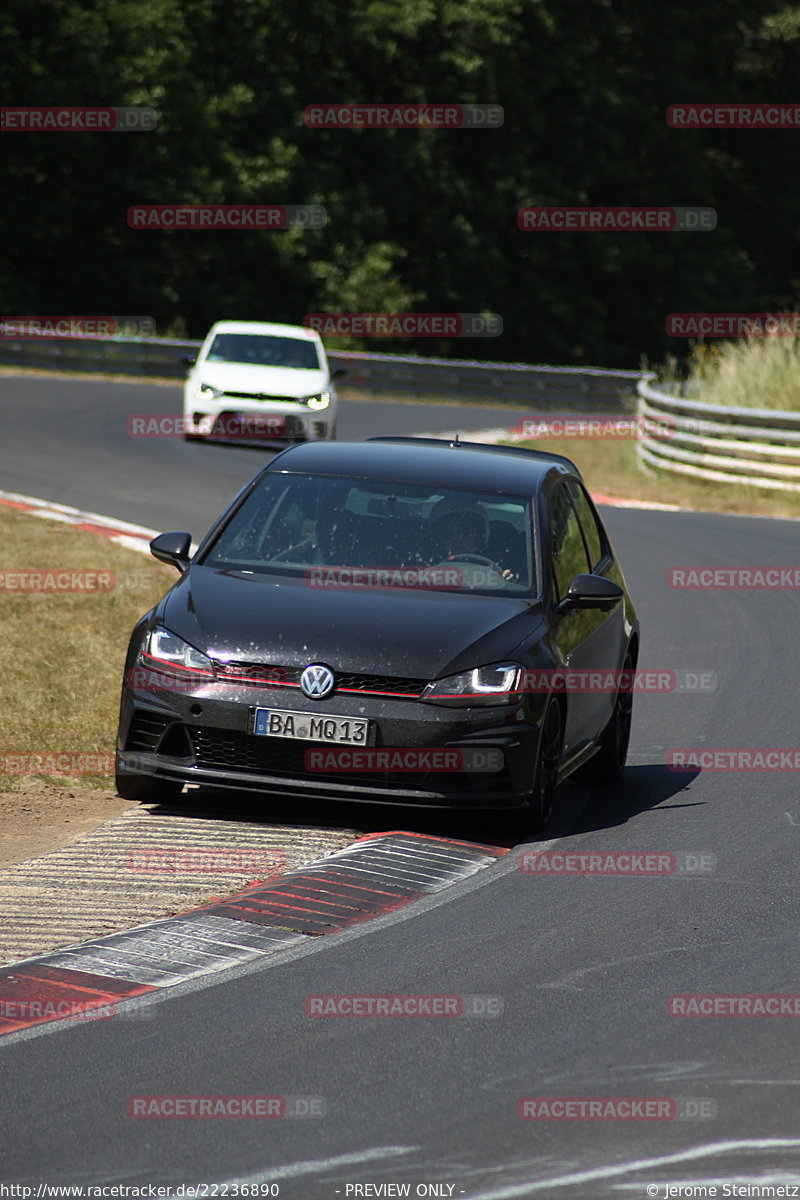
(463, 532)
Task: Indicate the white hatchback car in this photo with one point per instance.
(254, 381)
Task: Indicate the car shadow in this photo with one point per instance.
(579, 810)
(308, 813)
(642, 788)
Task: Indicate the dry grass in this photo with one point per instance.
(610, 468)
(62, 655)
(751, 373)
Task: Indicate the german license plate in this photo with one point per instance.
(341, 731)
(256, 425)
(249, 426)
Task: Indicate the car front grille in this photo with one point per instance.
(229, 749)
(145, 730)
(262, 396)
(272, 675)
(392, 685)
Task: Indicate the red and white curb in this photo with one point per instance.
(377, 874)
(134, 537)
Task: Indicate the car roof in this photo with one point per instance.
(471, 466)
(265, 328)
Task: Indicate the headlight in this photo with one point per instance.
(204, 391)
(162, 649)
(319, 400)
(495, 684)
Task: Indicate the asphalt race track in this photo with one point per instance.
(583, 964)
(67, 440)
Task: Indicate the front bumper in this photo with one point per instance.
(206, 738)
(294, 422)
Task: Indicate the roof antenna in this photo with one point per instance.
(456, 442)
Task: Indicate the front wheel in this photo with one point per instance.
(609, 762)
(147, 789)
(545, 781)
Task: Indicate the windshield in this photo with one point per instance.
(264, 350)
(354, 533)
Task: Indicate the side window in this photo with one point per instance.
(567, 548)
(594, 539)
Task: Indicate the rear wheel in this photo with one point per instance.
(609, 762)
(146, 789)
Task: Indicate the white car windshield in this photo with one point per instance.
(264, 350)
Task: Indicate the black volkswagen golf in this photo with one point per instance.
(391, 620)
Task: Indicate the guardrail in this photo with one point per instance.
(755, 446)
(407, 376)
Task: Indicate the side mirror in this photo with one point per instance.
(189, 360)
(172, 548)
(339, 373)
(591, 591)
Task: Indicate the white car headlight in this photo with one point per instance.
(204, 391)
(499, 683)
(318, 400)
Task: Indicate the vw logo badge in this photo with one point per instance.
(316, 682)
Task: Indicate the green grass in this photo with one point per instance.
(62, 654)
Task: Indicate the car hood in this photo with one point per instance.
(420, 635)
(270, 381)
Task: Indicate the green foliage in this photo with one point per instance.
(417, 218)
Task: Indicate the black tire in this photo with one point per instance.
(146, 789)
(541, 799)
(193, 437)
(609, 762)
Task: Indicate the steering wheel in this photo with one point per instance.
(478, 558)
(285, 555)
(482, 558)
